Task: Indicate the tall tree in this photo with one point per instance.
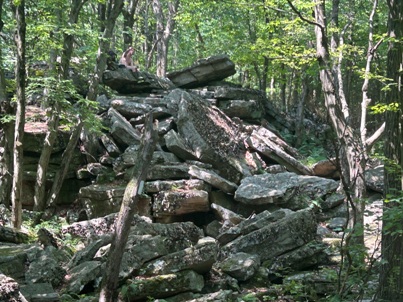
(391, 277)
(19, 39)
(114, 8)
(6, 132)
(165, 23)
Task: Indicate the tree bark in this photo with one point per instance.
(6, 134)
(128, 21)
(391, 276)
(19, 38)
(113, 12)
(164, 32)
(64, 166)
(130, 198)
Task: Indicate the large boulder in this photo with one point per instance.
(274, 239)
(288, 189)
(125, 81)
(211, 136)
(214, 68)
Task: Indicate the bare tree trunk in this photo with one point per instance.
(19, 38)
(64, 166)
(164, 32)
(128, 21)
(391, 277)
(122, 225)
(6, 134)
(113, 12)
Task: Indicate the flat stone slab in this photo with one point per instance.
(214, 68)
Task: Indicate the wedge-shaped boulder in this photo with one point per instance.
(179, 202)
(273, 151)
(178, 146)
(284, 235)
(162, 286)
(121, 130)
(125, 81)
(203, 71)
(283, 188)
(199, 258)
(211, 136)
(213, 179)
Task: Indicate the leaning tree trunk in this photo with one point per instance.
(351, 150)
(55, 112)
(19, 38)
(391, 277)
(122, 225)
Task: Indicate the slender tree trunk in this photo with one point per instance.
(128, 21)
(391, 277)
(114, 10)
(164, 32)
(122, 226)
(19, 38)
(351, 150)
(6, 133)
(55, 112)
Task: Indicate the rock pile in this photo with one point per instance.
(227, 204)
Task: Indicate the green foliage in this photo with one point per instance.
(382, 108)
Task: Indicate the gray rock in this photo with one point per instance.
(45, 269)
(82, 274)
(10, 290)
(305, 257)
(125, 81)
(203, 71)
(284, 235)
(282, 188)
(212, 136)
(40, 292)
(177, 145)
(213, 179)
(241, 266)
(13, 259)
(121, 130)
(247, 110)
(179, 202)
(199, 258)
(224, 214)
(374, 179)
(162, 286)
(166, 185)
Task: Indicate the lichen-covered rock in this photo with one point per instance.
(214, 68)
(13, 259)
(241, 266)
(45, 269)
(10, 290)
(162, 286)
(277, 238)
(82, 274)
(284, 188)
(199, 258)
